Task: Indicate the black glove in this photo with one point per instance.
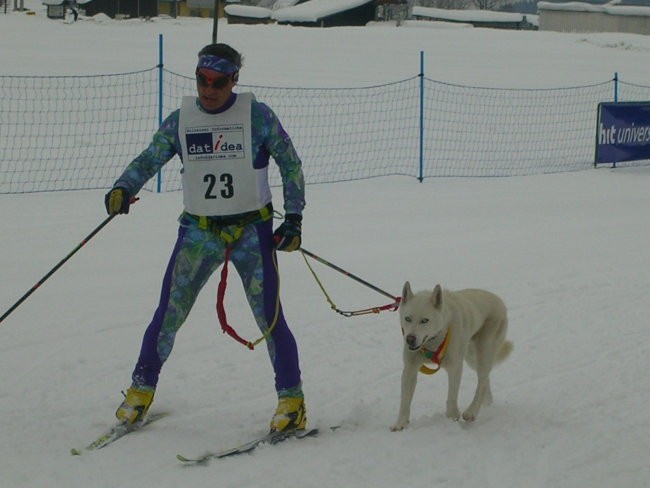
(117, 201)
(287, 236)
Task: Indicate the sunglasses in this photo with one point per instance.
(212, 81)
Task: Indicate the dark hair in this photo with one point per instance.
(223, 51)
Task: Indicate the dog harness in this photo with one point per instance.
(435, 356)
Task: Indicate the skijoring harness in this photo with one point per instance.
(229, 229)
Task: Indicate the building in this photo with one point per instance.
(589, 17)
(477, 18)
(311, 13)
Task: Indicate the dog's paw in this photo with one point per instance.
(399, 426)
(469, 416)
(453, 414)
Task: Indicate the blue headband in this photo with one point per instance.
(215, 63)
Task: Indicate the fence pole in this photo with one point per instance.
(215, 21)
(421, 177)
(615, 100)
(160, 98)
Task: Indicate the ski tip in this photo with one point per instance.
(152, 417)
(75, 452)
(313, 431)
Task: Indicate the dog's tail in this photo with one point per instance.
(504, 351)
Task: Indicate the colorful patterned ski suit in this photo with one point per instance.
(200, 251)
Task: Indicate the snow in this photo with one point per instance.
(248, 11)
(284, 4)
(587, 7)
(469, 15)
(427, 24)
(569, 254)
(288, 11)
(314, 10)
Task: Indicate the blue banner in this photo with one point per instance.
(623, 132)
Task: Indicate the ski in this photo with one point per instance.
(114, 433)
(271, 438)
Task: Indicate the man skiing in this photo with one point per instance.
(224, 140)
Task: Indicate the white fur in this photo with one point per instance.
(477, 320)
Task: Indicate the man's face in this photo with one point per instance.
(214, 88)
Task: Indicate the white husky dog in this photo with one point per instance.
(443, 328)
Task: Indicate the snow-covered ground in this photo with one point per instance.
(569, 253)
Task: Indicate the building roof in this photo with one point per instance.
(248, 11)
(315, 10)
(609, 8)
(611, 3)
(468, 15)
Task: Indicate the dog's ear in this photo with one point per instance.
(406, 293)
(436, 297)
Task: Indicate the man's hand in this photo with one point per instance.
(117, 201)
(287, 237)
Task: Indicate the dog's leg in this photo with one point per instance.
(484, 361)
(454, 374)
(470, 414)
(409, 380)
(487, 396)
(492, 350)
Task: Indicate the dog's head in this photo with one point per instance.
(421, 315)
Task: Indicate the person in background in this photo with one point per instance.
(225, 141)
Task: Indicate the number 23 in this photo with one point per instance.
(227, 189)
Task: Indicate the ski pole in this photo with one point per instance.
(346, 273)
(61, 263)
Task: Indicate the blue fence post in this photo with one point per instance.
(160, 97)
(421, 177)
(615, 99)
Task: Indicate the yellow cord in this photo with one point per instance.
(319, 282)
(269, 331)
